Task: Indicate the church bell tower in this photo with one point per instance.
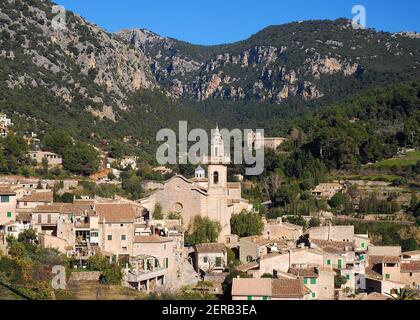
(217, 203)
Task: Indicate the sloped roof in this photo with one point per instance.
(210, 248)
(115, 212)
(251, 287)
(311, 272)
(45, 196)
(289, 288)
(6, 190)
(412, 266)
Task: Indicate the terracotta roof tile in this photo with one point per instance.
(251, 287)
(115, 213)
(210, 248)
(412, 266)
(288, 288)
(6, 190)
(46, 196)
(311, 272)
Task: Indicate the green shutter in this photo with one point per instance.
(218, 262)
(339, 262)
(387, 276)
(9, 214)
(265, 298)
(250, 298)
(313, 280)
(313, 295)
(123, 237)
(329, 262)
(5, 199)
(363, 244)
(305, 280)
(347, 276)
(109, 237)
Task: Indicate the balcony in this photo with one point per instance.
(143, 276)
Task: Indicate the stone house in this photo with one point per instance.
(35, 199)
(327, 190)
(252, 248)
(277, 229)
(52, 158)
(210, 257)
(319, 280)
(161, 248)
(116, 225)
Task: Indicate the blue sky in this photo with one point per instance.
(224, 21)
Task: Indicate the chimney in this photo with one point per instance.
(329, 231)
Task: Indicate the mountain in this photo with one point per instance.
(126, 86)
(308, 60)
(82, 78)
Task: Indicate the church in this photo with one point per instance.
(212, 196)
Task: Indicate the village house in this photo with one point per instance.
(327, 190)
(269, 289)
(210, 257)
(161, 248)
(319, 280)
(35, 199)
(277, 229)
(5, 121)
(116, 224)
(162, 170)
(256, 140)
(129, 162)
(7, 209)
(252, 248)
(52, 158)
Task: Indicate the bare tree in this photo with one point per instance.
(272, 184)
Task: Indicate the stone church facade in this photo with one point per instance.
(211, 197)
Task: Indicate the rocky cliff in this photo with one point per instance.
(280, 62)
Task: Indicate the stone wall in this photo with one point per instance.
(85, 276)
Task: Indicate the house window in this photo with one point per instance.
(5, 199)
(363, 244)
(387, 276)
(109, 237)
(205, 259)
(249, 298)
(313, 295)
(166, 263)
(265, 298)
(305, 280)
(218, 262)
(123, 237)
(347, 276)
(329, 262)
(313, 281)
(9, 214)
(216, 177)
(39, 219)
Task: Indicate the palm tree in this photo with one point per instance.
(403, 294)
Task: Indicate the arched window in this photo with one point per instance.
(216, 177)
